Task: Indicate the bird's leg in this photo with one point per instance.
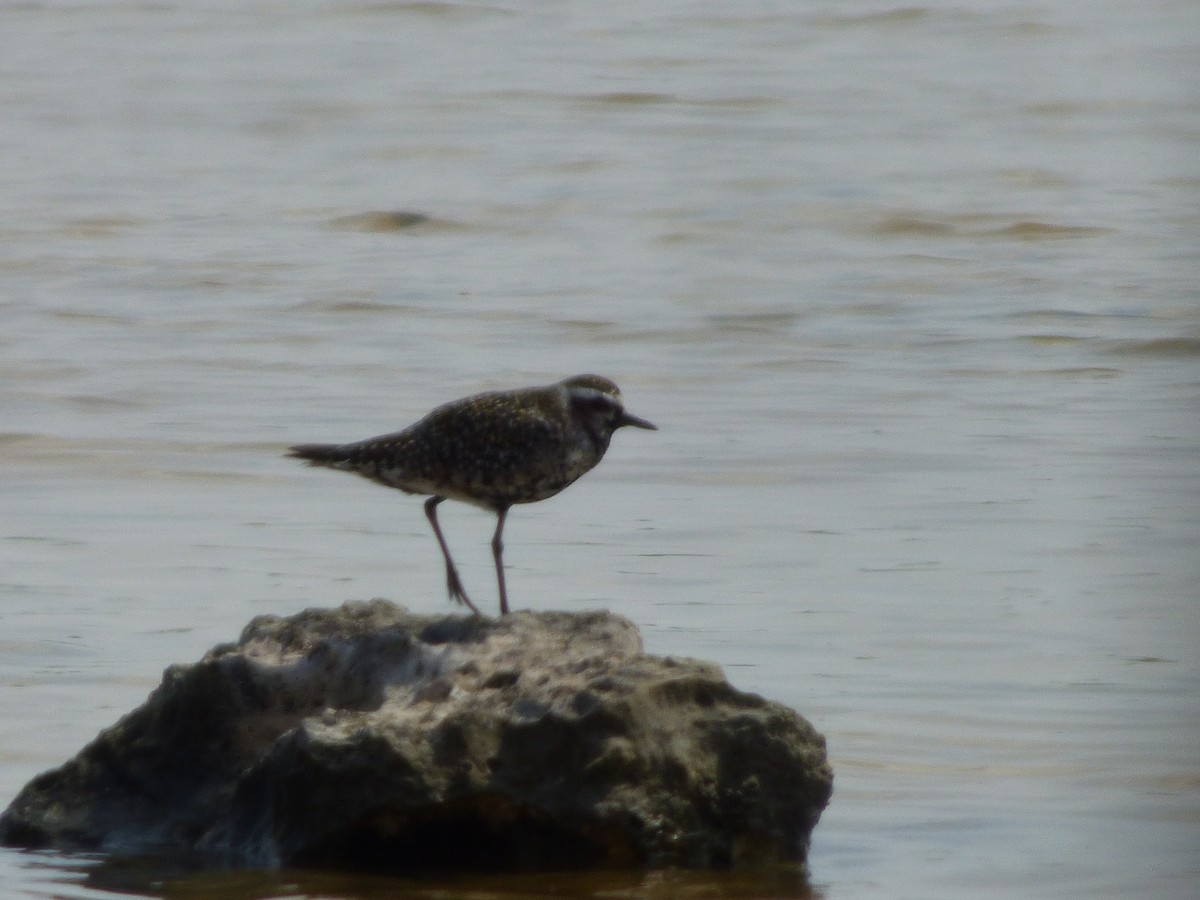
(453, 585)
(498, 554)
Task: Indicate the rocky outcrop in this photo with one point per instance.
(368, 737)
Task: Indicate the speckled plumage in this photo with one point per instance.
(493, 450)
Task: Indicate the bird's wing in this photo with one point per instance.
(487, 450)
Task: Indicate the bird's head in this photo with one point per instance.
(596, 403)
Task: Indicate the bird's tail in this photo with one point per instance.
(332, 455)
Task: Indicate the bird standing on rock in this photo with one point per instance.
(492, 450)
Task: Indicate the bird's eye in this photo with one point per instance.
(596, 405)
(606, 408)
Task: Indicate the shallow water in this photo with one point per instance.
(909, 290)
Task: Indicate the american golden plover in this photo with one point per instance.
(492, 450)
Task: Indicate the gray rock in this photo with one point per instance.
(367, 737)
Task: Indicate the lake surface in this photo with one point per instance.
(910, 290)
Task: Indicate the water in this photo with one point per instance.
(909, 289)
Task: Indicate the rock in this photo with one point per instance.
(367, 737)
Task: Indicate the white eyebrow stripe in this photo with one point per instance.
(593, 394)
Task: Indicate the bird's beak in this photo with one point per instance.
(627, 419)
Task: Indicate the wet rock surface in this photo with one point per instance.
(367, 737)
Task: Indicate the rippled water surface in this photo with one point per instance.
(910, 290)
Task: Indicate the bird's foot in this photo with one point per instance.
(455, 589)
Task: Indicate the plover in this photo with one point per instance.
(492, 450)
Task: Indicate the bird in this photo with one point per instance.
(492, 450)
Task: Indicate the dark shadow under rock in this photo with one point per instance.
(370, 738)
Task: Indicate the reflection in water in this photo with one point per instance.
(83, 877)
